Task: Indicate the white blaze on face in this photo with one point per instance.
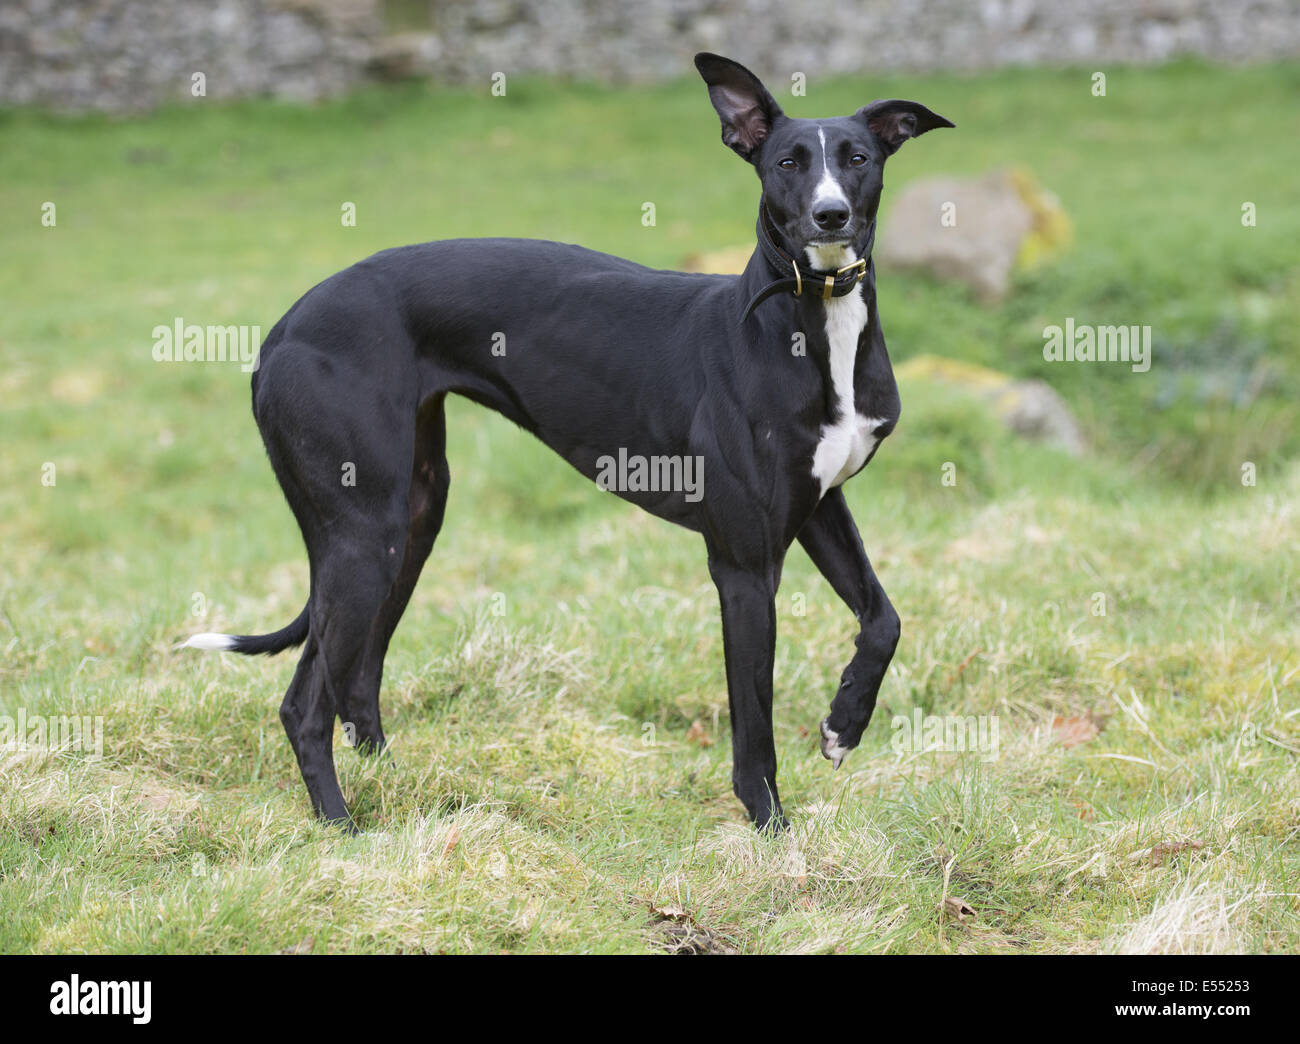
(826, 257)
(828, 190)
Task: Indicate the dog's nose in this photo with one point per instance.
(831, 219)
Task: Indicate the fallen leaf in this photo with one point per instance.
(1157, 854)
(698, 734)
(677, 932)
(957, 907)
(1070, 732)
(453, 836)
(962, 666)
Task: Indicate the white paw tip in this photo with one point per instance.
(831, 749)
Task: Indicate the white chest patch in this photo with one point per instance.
(846, 443)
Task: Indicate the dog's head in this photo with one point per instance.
(821, 178)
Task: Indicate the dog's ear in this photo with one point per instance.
(746, 108)
(894, 121)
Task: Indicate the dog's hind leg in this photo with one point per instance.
(302, 715)
(427, 503)
(348, 588)
(344, 462)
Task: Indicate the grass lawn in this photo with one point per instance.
(560, 777)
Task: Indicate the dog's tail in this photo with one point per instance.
(252, 644)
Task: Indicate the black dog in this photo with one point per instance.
(774, 386)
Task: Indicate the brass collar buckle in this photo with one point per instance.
(860, 266)
(828, 290)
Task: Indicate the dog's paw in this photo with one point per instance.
(831, 749)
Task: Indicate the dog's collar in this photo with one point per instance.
(802, 278)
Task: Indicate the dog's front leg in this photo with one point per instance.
(749, 642)
(831, 539)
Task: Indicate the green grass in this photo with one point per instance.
(547, 790)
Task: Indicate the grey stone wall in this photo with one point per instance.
(132, 54)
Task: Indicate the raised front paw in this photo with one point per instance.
(831, 749)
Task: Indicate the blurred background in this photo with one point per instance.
(1116, 163)
(118, 55)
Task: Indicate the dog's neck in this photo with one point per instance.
(824, 272)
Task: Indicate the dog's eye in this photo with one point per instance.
(857, 160)
(787, 164)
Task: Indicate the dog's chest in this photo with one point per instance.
(845, 443)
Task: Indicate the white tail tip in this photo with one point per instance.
(208, 640)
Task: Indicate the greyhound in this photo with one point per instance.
(776, 382)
